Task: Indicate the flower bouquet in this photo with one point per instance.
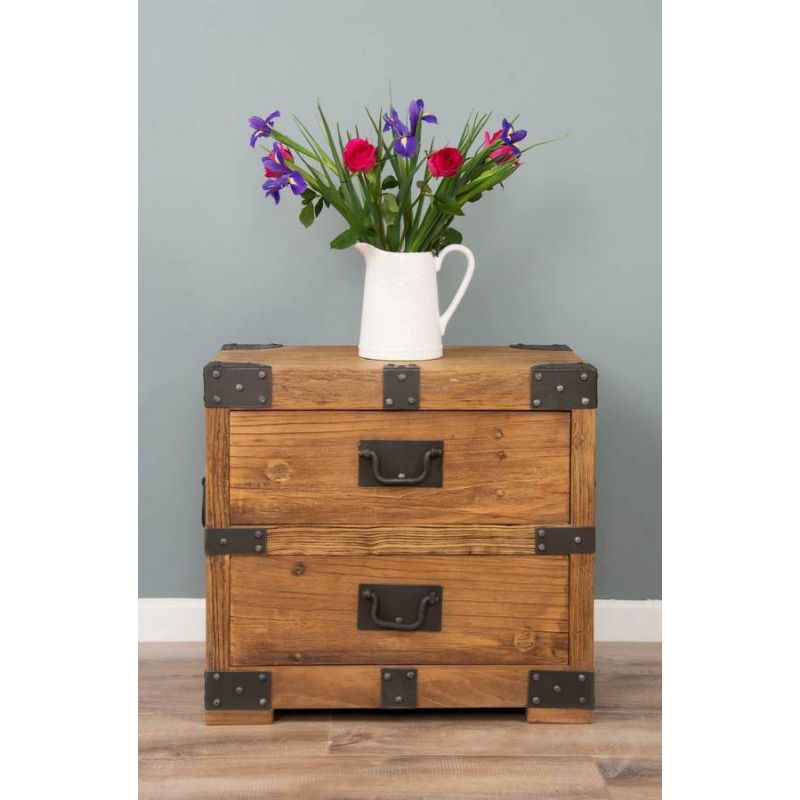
(399, 200)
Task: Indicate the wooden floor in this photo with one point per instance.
(414, 754)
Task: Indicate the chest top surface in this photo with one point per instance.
(334, 377)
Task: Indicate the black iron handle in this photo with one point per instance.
(431, 453)
(429, 599)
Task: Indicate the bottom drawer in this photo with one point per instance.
(312, 610)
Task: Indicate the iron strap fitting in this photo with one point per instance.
(563, 387)
(401, 387)
(563, 541)
(399, 687)
(224, 541)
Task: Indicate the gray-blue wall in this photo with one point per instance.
(568, 252)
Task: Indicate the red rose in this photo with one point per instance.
(444, 163)
(359, 155)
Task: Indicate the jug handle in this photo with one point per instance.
(467, 253)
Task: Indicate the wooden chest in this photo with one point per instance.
(399, 536)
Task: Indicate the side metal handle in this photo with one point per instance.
(429, 599)
(433, 452)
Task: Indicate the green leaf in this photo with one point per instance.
(451, 236)
(389, 204)
(307, 215)
(389, 182)
(447, 205)
(308, 195)
(424, 188)
(318, 207)
(345, 239)
(477, 197)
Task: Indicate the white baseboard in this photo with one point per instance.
(172, 619)
(179, 619)
(627, 620)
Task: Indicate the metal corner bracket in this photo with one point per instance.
(563, 387)
(235, 385)
(521, 346)
(238, 690)
(550, 689)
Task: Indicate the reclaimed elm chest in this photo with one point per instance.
(399, 536)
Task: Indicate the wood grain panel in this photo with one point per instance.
(218, 572)
(438, 686)
(581, 566)
(334, 377)
(301, 468)
(559, 715)
(216, 491)
(510, 540)
(496, 609)
(232, 716)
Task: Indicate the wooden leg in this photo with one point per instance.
(559, 715)
(236, 717)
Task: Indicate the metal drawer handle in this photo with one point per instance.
(427, 600)
(433, 452)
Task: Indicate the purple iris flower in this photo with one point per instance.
(510, 135)
(405, 143)
(262, 127)
(416, 111)
(406, 146)
(286, 176)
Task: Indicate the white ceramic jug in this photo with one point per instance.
(400, 316)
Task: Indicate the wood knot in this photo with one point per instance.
(278, 471)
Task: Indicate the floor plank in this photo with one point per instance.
(242, 778)
(492, 733)
(186, 736)
(632, 778)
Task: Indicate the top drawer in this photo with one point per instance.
(302, 468)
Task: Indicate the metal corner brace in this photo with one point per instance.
(238, 690)
(563, 387)
(550, 689)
